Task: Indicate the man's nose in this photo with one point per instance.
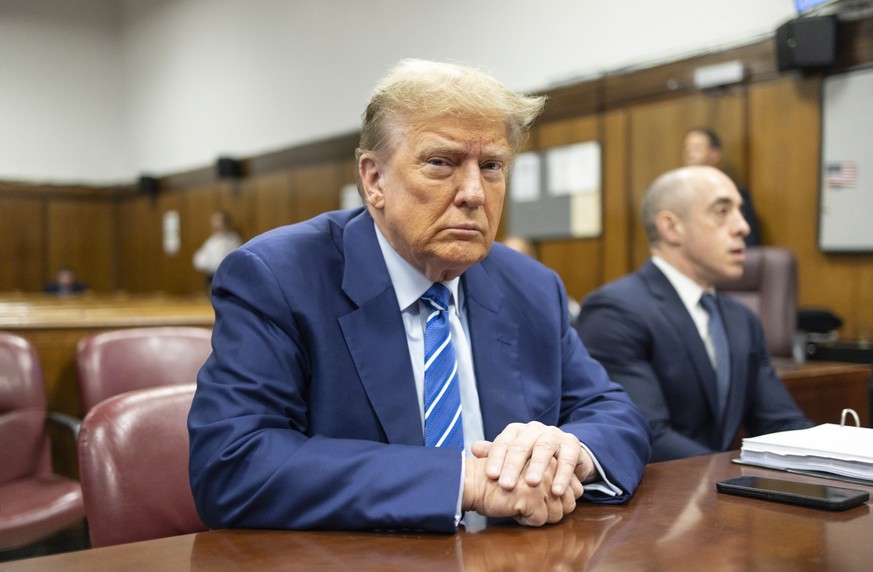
(742, 225)
(470, 188)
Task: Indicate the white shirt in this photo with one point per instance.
(689, 292)
(212, 252)
(409, 285)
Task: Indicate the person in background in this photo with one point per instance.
(65, 283)
(703, 147)
(223, 240)
(521, 244)
(693, 360)
(385, 367)
(526, 246)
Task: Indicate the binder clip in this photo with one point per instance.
(854, 415)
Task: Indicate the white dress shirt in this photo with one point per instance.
(690, 292)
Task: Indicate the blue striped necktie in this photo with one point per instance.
(722, 353)
(442, 398)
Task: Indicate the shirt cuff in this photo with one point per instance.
(458, 511)
(602, 486)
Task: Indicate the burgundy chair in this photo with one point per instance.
(35, 503)
(769, 287)
(133, 463)
(117, 361)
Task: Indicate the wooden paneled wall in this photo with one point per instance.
(43, 228)
(256, 204)
(770, 126)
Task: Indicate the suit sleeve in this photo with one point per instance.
(771, 408)
(253, 462)
(621, 341)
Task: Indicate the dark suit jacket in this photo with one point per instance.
(306, 415)
(638, 328)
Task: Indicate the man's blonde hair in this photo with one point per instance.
(422, 90)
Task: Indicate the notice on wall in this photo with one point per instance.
(559, 194)
(171, 233)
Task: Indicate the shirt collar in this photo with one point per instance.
(689, 291)
(409, 283)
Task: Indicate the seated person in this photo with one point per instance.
(703, 147)
(223, 240)
(526, 246)
(359, 355)
(65, 283)
(651, 329)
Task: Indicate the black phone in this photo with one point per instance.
(794, 492)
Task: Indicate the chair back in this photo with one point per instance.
(23, 438)
(35, 503)
(133, 465)
(769, 287)
(123, 360)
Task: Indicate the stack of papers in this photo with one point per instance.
(837, 450)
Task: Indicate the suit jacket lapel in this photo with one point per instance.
(674, 311)
(495, 347)
(374, 331)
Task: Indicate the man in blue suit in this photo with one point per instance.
(310, 412)
(652, 330)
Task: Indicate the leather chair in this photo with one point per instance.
(133, 463)
(35, 503)
(117, 361)
(769, 287)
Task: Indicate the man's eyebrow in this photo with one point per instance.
(725, 201)
(492, 152)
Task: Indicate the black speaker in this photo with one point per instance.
(228, 168)
(806, 43)
(149, 185)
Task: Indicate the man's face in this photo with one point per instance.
(438, 196)
(698, 152)
(713, 229)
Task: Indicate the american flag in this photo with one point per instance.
(841, 174)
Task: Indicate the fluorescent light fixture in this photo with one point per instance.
(719, 74)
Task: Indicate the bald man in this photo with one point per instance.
(702, 147)
(697, 366)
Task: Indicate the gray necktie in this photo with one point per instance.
(722, 353)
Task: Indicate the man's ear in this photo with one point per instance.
(670, 227)
(369, 170)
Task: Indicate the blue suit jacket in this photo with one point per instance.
(306, 415)
(640, 330)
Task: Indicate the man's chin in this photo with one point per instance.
(463, 254)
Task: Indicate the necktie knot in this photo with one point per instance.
(437, 296)
(707, 300)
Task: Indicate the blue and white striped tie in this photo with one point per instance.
(443, 426)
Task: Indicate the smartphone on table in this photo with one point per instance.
(813, 495)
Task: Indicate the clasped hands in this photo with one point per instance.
(530, 472)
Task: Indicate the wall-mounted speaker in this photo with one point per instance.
(228, 168)
(807, 43)
(149, 185)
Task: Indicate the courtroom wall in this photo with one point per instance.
(770, 124)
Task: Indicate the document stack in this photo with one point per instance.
(835, 451)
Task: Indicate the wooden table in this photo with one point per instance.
(676, 521)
